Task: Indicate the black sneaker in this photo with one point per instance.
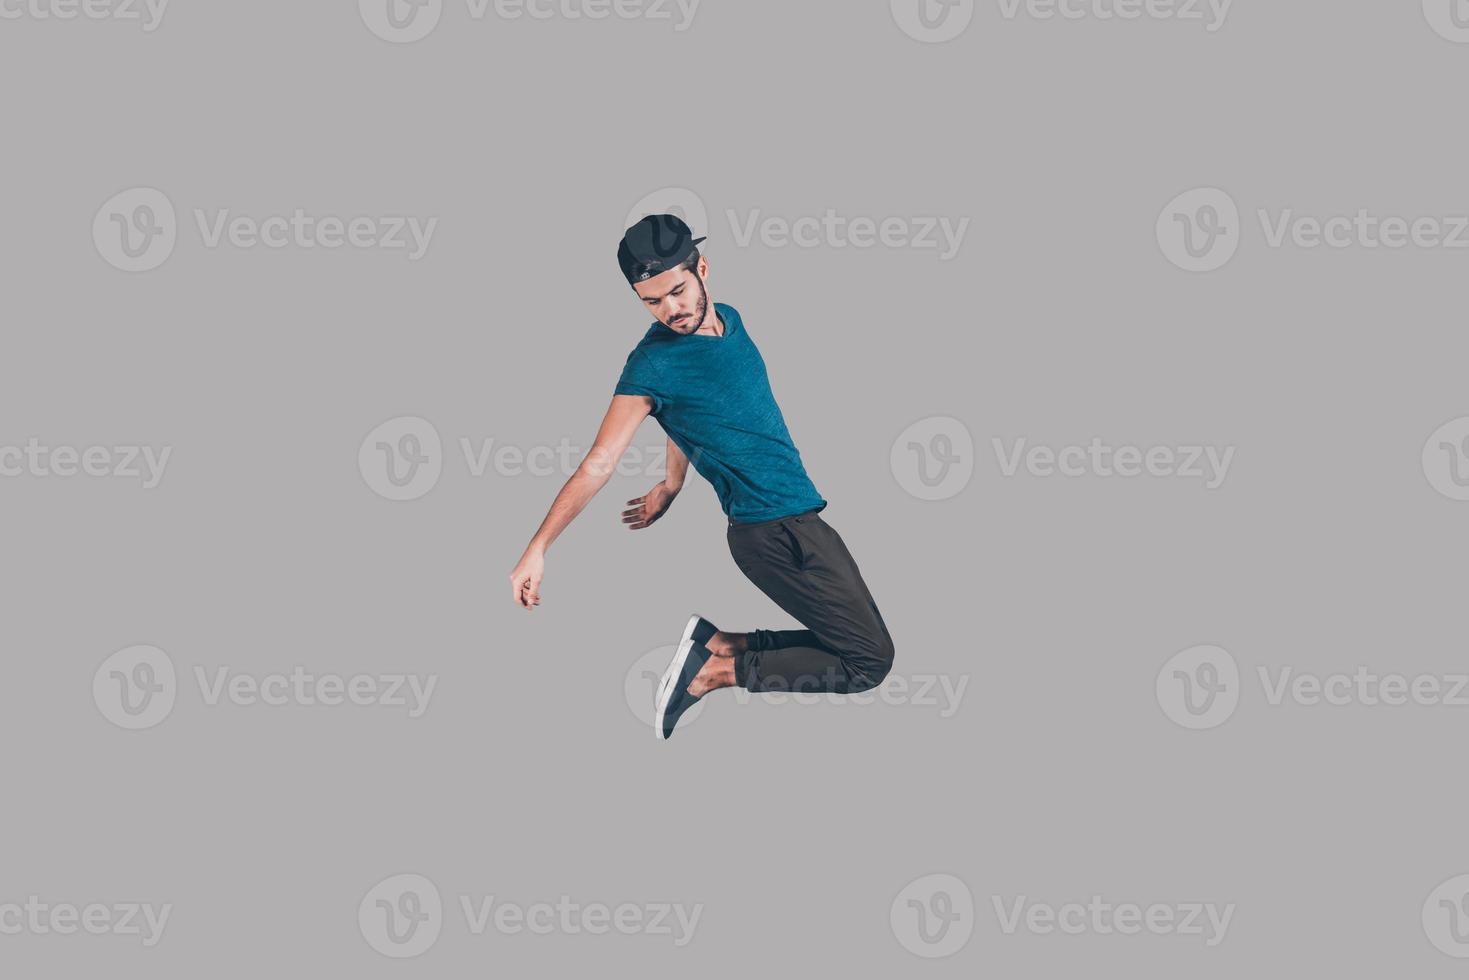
(673, 694)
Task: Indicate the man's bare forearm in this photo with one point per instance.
(678, 466)
(584, 484)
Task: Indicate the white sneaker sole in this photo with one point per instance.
(675, 668)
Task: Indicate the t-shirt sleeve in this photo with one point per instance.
(640, 378)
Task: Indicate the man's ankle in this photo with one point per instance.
(716, 673)
(724, 644)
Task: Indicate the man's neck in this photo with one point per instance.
(713, 324)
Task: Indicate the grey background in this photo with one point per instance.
(795, 826)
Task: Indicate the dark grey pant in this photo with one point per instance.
(804, 566)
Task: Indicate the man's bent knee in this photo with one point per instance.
(875, 669)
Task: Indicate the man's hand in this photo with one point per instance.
(525, 581)
(643, 511)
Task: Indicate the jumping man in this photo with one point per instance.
(700, 375)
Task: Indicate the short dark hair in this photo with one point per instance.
(639, 268)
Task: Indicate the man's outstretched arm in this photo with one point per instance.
(618, 428)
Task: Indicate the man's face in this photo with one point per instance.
(677, 297)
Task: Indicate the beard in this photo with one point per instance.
(697, 317)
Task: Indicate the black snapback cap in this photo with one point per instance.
(654, 245)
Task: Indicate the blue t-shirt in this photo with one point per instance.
(712, 396)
